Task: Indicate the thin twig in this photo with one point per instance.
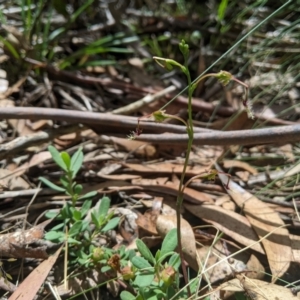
(117, 124)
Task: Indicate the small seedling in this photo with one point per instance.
(74, 225)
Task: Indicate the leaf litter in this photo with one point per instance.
(133, 172)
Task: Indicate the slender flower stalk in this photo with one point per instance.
(224, 78)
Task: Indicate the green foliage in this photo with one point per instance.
(73, 225)
(156, 278)
(222, 9)
(40, 37)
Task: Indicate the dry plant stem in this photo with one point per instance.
(109, 121)
(279, 134)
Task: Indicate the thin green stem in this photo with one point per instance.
(190, 131)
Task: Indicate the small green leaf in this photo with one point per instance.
(66, 211)
(76, 162)
(126, 296)
(222, 9)
(88, 195)
(76, 215)
(57, 227)
(51, 214)
(169, 243)
(57, 158)
(51, 185)
(143, 280)
(111, 224)
(73, 241)
(64, 181)
(85, 225)
(54, 235)
(85, 207)
(66, 158)
(75, 229)
(105, 269)
(95, 219)
(157, 255)
(131, 253)
(145, 251)
(104, 207)
(10, 47)
(174, 261)
(53, 35)
(140, 262)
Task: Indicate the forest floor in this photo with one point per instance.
(89, 180)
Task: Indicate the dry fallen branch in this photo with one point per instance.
(280, 134)
(117, 124)
(22, 244)
(109, 122)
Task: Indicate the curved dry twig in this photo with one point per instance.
(116, 124)
(109, 122)
(279, 134)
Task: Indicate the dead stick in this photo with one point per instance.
(108, 121)
(281, 134)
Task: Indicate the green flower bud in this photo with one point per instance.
(167, 275)
(160, 116)
(184, 49)
(128, 273)
(98, 254)
(167, 63)
(224, 77)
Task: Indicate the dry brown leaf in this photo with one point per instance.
(213, 259)
(137, 147)
(225, 202)
(39, 125)
(257, 289)
(14, 88)
(109, 168)
(20, 126)
(11, 182)
(124, 176)
(254, 265)
(35, 160)
(147, 221)
(6, 285)
(239, 164)
(264, 220)
(166, 168)
(30, 286)
(229, 222)
(170, 188)
(295, 241)
(165, 223)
